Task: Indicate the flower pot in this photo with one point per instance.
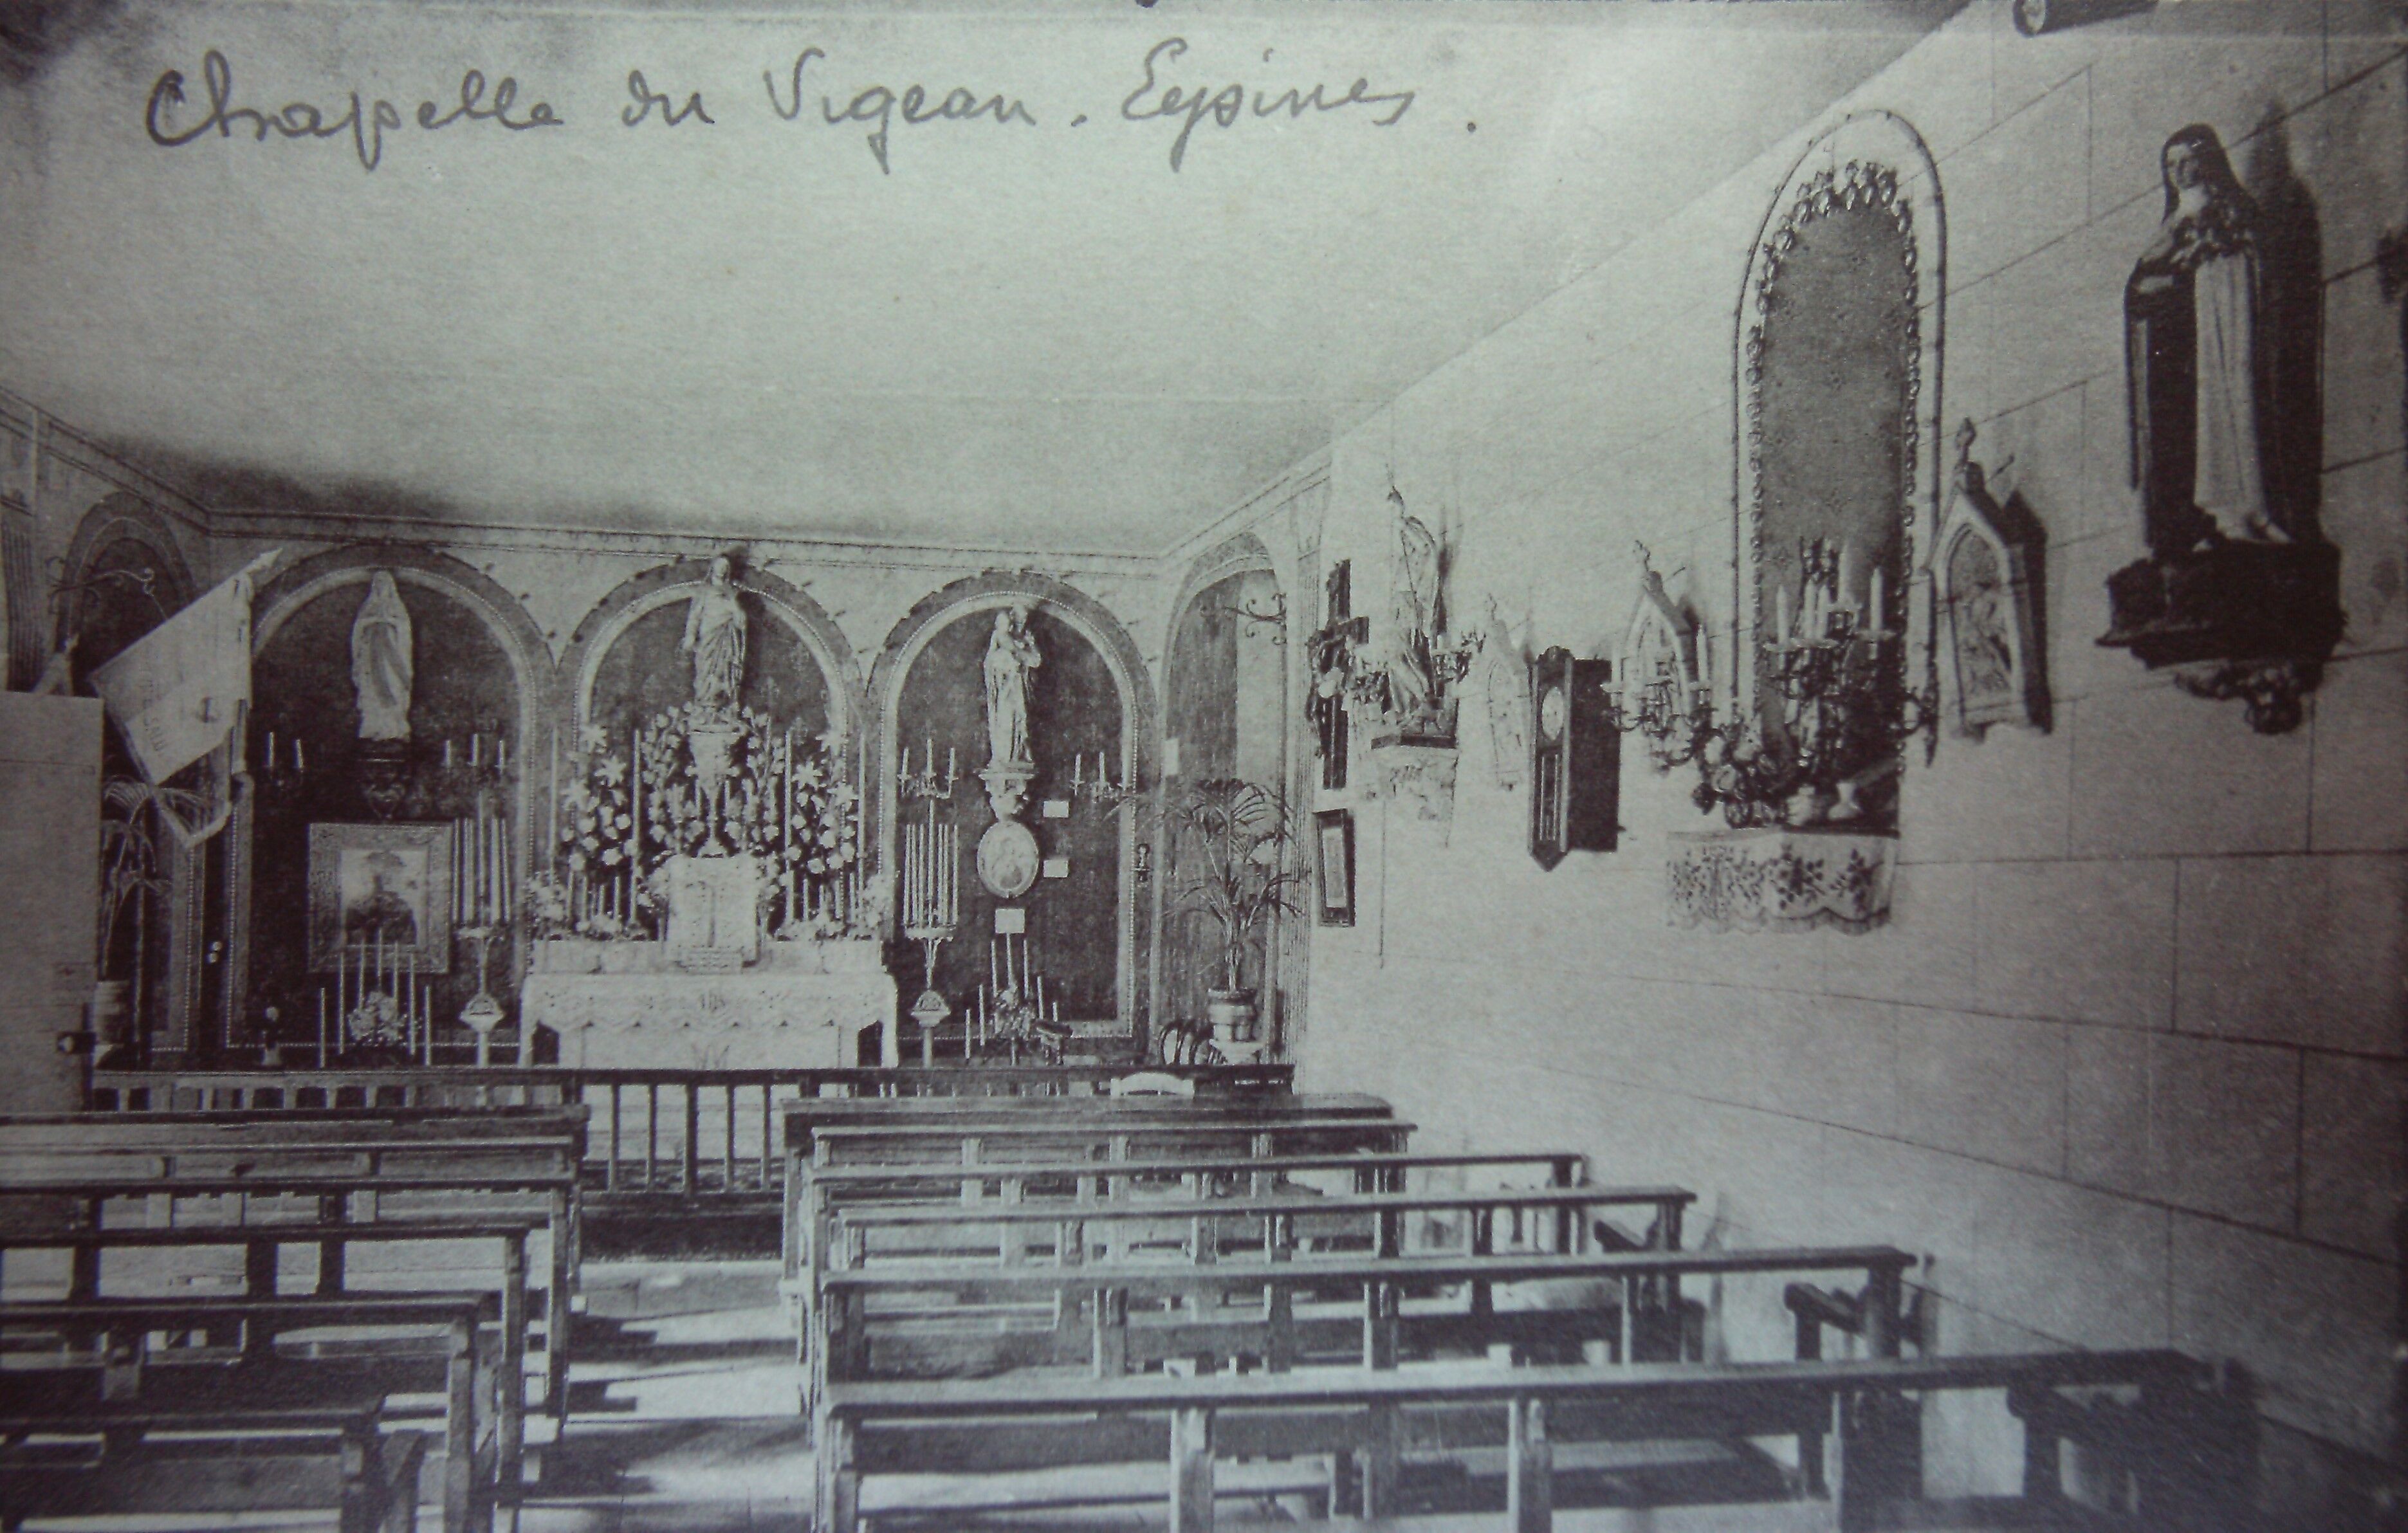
(1231, 1013)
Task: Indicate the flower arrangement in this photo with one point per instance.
(696, 780)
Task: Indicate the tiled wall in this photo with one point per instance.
(2126, 1065)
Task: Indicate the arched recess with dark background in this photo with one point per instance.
(481, 668)
(1092, 693)
(123, 574)
(1226, 701)
(623, 665)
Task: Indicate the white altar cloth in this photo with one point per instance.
(802, 1006)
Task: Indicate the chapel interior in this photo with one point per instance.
(1410, 767)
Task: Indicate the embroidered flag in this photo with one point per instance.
(176, 690)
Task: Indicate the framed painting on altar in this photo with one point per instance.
(380, 888)
(1334, 837)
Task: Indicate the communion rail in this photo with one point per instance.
(684, 1134)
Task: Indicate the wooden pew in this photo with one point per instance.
(260, 1243)
(871, 1324)
(818, 1195)
(312, 1459)
(76, 1361)
(895, 1134)
(1278, 1224)
(986, 1425)
(357, 1199)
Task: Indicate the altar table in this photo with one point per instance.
(625, 1006)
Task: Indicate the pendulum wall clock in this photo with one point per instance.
(1575, 758)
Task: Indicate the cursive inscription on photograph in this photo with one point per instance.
(1154, 92)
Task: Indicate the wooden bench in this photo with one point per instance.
(74, 1361)
(825, 1190)
(360, 1200)
(880, 1322)
(261, 1244)
(125, 1460)
(1277, 1225)
(987, 1425)
(1133, 1129)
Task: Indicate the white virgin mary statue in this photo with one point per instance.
(715, 636)
(381, 665)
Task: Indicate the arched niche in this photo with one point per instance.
(626, 664)
(123, 574)
(480, 669)
(1837, 391)
(1226, 701)
(1092, 693)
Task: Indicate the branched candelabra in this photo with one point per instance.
(926, 782)
(1098, 790)
(1841, 706)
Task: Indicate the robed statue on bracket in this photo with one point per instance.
(2192, 352)
(1010, 655)
(714, 636)
(381, 662)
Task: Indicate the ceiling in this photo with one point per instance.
(1017, 335)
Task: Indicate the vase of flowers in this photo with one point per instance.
(1234, 865)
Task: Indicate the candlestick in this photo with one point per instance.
(447, 755)
(476, 743)
(951, 757)
(271, 747)
(1078, 767)
(322, 1027)
(1781, 610)
(501, 752)
(1880, 611)
(300, 762)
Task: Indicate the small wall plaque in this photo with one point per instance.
(1057, 809)
(1010, 921)
(1057, 867)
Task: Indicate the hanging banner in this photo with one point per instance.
(176, 690)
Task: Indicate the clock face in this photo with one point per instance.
(1551, 711)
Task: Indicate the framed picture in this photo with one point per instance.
(1334, 836)
(380, 886)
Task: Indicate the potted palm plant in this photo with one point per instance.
(1234, 868)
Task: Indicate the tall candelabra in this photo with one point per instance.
(930, 902)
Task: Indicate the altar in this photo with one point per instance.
(626, 1006)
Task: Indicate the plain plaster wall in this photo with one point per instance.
(2125, 1063)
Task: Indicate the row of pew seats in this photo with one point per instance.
(1279, 1289)
(238, 1312)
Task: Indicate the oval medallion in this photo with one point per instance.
(1007, 859)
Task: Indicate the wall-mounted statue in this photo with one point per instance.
(1010, 655)
(1505, 679)
(2226, 592)
(715, 636)
(2191, 357)
(1415, 621)
(381, 661)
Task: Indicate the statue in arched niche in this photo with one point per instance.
(1010, 655)
(714, 636)
(383, 666)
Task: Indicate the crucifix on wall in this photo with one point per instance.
(1331, 652)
